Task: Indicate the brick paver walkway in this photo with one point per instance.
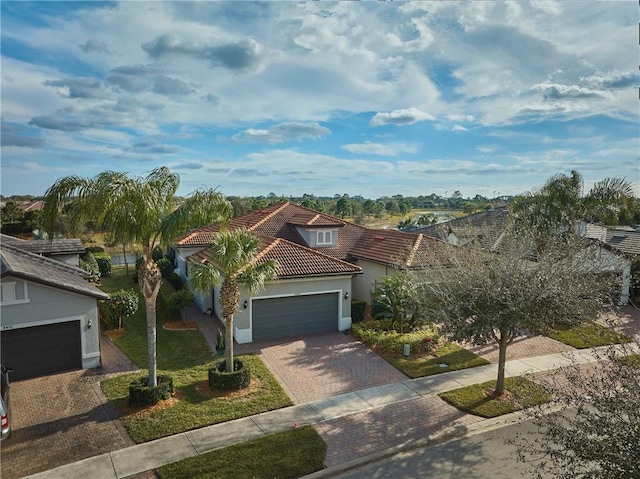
(64, 418)
(323, 365)
(521, 347)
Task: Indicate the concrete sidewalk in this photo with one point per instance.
(132, 460)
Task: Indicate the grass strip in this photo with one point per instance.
(451, 354)
(478, 399)
(588, 335)
(285, 455)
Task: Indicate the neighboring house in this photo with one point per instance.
(486, 229)
(49, 314)
(324, 263)
(67, 251)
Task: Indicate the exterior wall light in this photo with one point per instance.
(245, 304)
(89, 324)
(346, 295)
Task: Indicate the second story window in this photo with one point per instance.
(324, 238)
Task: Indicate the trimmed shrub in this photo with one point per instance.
(177, 301)
(379, 334)
(165, 266)
(157, 254)
(89, 264)
(141, 394)
(94, 249)
(221, 380)
(175, 281)
(357, 310)
(104, 263)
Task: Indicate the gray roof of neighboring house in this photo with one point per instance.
(484, 228)
(623, 238)
(20, 263)
(46, 247)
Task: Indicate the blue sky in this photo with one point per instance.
(363, 98)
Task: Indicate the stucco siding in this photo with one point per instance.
(46, 305)
(364, 285)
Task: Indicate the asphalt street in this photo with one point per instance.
(485, 455)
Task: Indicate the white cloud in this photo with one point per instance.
(405, 116)
(381, 149)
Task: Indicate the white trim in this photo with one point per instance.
(7, 327)
(243, 336)
(15, 301)
(344, 324)
(323, 233)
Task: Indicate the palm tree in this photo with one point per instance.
(560, 204)
(234, 263)
(142, 210)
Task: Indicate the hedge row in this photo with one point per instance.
(379, 334)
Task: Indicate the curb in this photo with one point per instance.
(442, 437)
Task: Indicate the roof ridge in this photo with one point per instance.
(269, 216)
(268, 248)
(48, 261)
(414, 249)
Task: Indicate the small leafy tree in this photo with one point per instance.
(123, 304)
(484, 297)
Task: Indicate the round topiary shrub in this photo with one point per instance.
(222, 380)
(141, 394)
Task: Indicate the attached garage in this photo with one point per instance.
(40, 350)
(294, 315)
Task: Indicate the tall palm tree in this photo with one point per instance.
(234, 263)
(560, 204)
(142, 210)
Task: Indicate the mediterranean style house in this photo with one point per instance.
(323, 263)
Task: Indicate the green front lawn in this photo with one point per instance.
(587, 335)
(186, 356)
(454, 356)
(193, 404)
(477, 399)
(285, 455)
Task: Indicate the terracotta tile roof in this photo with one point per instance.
(395, 247)
(295, 260)
(17, 262)
(279, 221)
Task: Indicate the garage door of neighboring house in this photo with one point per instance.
(41, 350)
(294, 315)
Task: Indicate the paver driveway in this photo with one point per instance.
(63, 418)
(322, 365)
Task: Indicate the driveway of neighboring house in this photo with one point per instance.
(63, 418)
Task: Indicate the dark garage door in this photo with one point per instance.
(294, 315)
(41, 350)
